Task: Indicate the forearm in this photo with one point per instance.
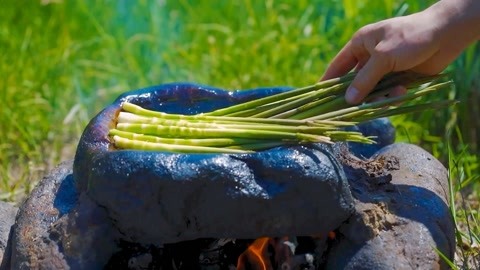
(459, 21)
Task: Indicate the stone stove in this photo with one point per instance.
(346, 206)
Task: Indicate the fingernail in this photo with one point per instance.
(351, 95)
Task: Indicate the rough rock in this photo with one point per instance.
(187, 196)
(401, 216)
(58, 228)
(7, 219)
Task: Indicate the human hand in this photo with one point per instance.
(425, 42)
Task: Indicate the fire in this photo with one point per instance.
(267, 253)
(256, 256)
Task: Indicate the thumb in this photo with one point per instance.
(366, 79)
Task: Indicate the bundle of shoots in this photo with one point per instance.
(312, 114)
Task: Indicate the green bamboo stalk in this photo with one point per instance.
(341, 135)
(407, 79)
(301, 112)
(310, 97)
(337, 114)
(261, 101)
(335, 104)
(315, 113)
(175, 148)
(188, 132)
(327, 123)
(407, 109)
(135, 109)
(363, 112)
(124, 117)
(195, 142)
(252, 111)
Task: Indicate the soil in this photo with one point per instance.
(374, 170)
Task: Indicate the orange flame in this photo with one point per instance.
(256, 256)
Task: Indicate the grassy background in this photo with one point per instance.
(63, 61)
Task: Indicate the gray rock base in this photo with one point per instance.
(401, 216)
(7, 219)
(57, 228)
(400, 219)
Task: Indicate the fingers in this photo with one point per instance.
(341, 64)
(367, 77)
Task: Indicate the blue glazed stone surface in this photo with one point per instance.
(159, 197)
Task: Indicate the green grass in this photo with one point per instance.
(63, 62)
(465, 206)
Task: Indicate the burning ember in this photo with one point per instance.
(256, 256)
(265, 253)
(278, 253)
